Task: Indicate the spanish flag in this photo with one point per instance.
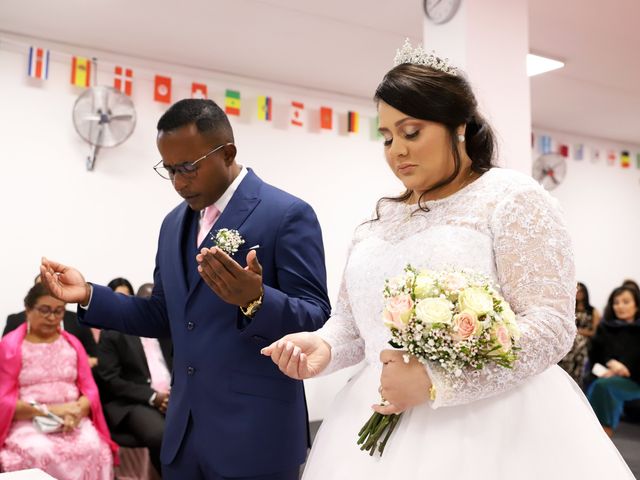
(264, 108)
(352, 122)
(232, 102)
(81, 72)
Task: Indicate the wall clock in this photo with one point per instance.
(440, 11)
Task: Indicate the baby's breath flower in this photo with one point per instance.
(228, 240)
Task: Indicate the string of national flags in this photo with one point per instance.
(579, 151)
(123, 79)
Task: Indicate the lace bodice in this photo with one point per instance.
(503, 225)
(49, 372)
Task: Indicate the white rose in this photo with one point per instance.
(425, 285)
(434, 310)
(477, 300)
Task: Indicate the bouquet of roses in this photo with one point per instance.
(453, 319)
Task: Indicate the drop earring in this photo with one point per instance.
(460, 138)
(28, 328)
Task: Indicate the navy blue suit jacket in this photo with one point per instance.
(251, 416)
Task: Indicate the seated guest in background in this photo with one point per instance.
(587, 319)
(134, 375)
(145, 290)
(120, 285)
(69, 323)
(632, 284)
(45, 369)
(615, 357)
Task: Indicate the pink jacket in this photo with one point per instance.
(10, 365)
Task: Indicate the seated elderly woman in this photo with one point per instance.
(50, 412)
(615, 357)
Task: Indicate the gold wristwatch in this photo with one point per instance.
(251, 309)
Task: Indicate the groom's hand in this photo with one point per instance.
(65, 283)
(232, 283)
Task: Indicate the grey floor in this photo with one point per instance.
(626, 439)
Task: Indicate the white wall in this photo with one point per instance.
(472, 40)
(601, 207)
(106, 222)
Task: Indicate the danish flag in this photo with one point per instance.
(123, 79)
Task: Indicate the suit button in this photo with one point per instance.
(190, 370)
(190, 325)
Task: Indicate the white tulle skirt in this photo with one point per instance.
(544, 429)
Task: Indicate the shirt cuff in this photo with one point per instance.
(86, 307)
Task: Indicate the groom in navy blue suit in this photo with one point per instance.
(231, 413)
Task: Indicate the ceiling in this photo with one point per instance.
(346, 46)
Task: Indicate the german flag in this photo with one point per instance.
(232, 102)
(81, 72)
(352, 122)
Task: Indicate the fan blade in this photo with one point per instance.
(100, 100)
(90, 118)
(121, 117)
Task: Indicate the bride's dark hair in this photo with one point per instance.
(428, 94)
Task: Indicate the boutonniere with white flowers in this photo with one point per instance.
(227, 240)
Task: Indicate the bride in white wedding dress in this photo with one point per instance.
(529, 422)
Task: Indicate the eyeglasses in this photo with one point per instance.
(187, 169)
(46, 311)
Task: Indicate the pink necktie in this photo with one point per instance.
(211, 214)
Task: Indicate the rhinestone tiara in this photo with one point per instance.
(417, 56)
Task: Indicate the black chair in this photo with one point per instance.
(125, 439)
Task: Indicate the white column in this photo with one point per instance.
(489, 41)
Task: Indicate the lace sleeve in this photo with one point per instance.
(535, 269)
(342, 333)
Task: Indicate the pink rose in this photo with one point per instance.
(503, 338)
(397, 311)
(464, 325)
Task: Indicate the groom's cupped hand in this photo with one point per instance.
(232, 283)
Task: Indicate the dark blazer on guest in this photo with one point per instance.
(70, 323)
(123, 373)
(252, 417)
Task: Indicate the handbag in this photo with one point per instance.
(49, 423)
